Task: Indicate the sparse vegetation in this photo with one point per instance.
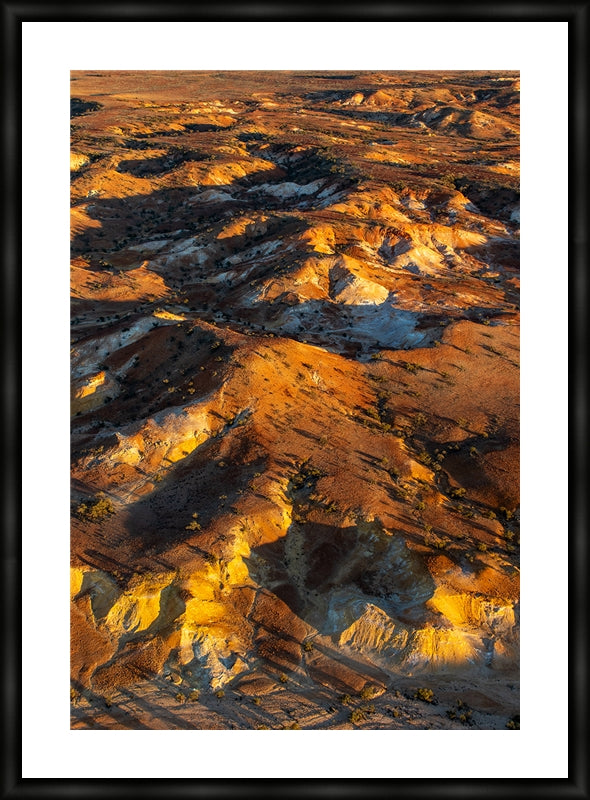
(461, 712)
(344, 457)
(425, 694)
(458, 492)
(368, 692)
(96, 509)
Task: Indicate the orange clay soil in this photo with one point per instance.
(295, 408)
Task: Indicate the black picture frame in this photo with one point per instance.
(576, 15)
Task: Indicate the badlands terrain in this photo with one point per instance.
(295, 400)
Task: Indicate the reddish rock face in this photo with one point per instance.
(273, 615)
(295, 395)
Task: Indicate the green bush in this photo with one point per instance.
(96, 509)
(427, 695)
(367, 692)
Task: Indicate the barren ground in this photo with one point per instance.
(295, 400)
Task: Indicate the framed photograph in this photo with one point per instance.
(305, 425)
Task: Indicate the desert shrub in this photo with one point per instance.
(96, 509)
(356, 715)
(220, 694)
(346, 699)
(427, 695)
(462, 713)
(308, 646)
(367, 692)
